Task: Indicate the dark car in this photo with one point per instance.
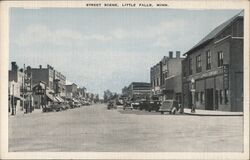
(111, 104)
(143, 104)
(170, 106)
(153, 106)
(127, 105)
(53, 107)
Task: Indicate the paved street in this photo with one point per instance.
(94, 128)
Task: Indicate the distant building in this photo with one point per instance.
(215, 65)
(71, 91)
(138, 90)
(81, 92)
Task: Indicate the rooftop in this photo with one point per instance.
(216, 31)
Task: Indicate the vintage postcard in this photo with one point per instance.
(124, 79)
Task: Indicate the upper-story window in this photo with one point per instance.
(220, 59)
(190, 67)
(198, 63)
(208, 60)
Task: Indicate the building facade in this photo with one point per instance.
(139, 90)
(165, 77)
(16, 89)
(215, 69)
(55, 84)
(71, 91)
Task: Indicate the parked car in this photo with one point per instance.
(143, 104)
(170, 106)
(72, 104)
(65, 106)
(87, 103)
(111, 104)
(77, 104)
(153, 106)
(127, 105)
(119, 102)
(53, 107)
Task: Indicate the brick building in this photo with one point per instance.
(215, 65)
(137, 90)
(165, 77)
(71, 91)
(54, 80)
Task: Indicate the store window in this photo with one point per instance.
(208, 60)
(198, 64)
(197, 96)
(226, 96)
(220, 96)
(220, 59)
(202, 97)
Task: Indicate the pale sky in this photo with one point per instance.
(106, 48)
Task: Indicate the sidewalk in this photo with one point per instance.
(199, 112)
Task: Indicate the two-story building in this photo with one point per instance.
(16, 88)
(214, 67)
(138, 90)
(166, 77)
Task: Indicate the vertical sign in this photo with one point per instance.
(226, 76)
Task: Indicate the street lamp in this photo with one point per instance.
(193, 95)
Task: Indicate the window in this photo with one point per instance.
(226, 96)
(197, 96)
(208, 60)
(163, 78)
(220, 96)
(190, 67)
(202, 97)
(220, 59)
(198, 63)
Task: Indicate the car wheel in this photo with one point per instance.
(123, 108)
(162, 112)
(173, 110)
(149, 110)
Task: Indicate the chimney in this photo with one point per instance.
(40, 66)
(170, 54)
(14, 66)
(178, 54)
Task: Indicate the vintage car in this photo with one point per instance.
(111, 104)
(53, 107)
(143, 104)
(127, 105)
(170, 106)
(153, 105)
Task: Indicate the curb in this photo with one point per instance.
(197, 114)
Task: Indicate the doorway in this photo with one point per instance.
(209, 105)
(216, 99)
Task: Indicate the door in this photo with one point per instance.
(239, 92)
(216, 99)
(209, 99)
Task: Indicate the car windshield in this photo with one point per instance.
(167, 103)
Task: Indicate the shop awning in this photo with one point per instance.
(59, 99)
(75, 100)
(50, 96)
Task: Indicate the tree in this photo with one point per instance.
(107, 95)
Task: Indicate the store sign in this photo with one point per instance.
(39, 89)
(226, 76)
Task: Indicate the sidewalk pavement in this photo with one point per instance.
(199, 112)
